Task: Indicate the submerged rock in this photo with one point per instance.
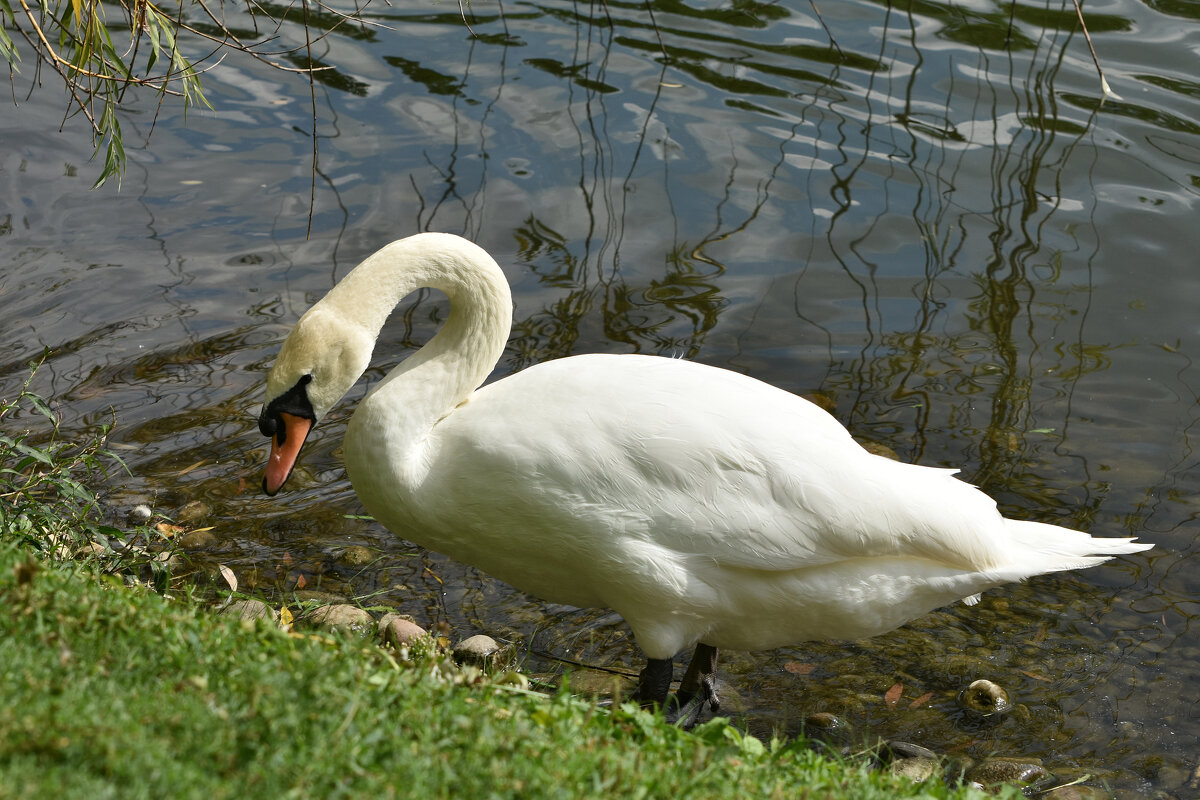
(878, 449)
(985, 698)
(1076, 792)
(355, 556)
(193, 512)
(824, 721)
(994, 771)
(197, 540)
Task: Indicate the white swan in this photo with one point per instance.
(706, 507)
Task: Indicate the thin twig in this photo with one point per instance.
(462, 12)
(312, 91)
(828, 32)
(1103, 83)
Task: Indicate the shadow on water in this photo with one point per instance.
(910, 221)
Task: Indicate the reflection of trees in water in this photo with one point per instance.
(667, 309)
(972, 363)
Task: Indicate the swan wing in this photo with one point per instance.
(621, 453)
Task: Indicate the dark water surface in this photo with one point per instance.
(962, 250)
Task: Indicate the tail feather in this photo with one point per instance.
(1056, 548)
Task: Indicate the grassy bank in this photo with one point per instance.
(110, 689)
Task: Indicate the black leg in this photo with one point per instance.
(698, 688)
(654, 682)
(697, 691)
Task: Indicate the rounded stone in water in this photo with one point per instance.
(996, 771)
(985, 698)
(249, 610)
(398, 630)
(355, 556)
(824, 721)
(342, 617)
(479, 649)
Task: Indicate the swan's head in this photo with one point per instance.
(320, 360)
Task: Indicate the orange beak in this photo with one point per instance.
(285, 449)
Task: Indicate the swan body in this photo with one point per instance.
(704, 506)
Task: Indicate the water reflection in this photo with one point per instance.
(947, 235)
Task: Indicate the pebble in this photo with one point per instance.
(984, 698)
(342, 617)
(875, 448)
(249, 609)
(193, 512)
(992, 771)
(822, 400)
(356, 556)
(91, 549)
(897, 750)
(479, 649)
(823, 721)
(397, 630)
(917, 770)
(197, 540)
(1076, 792)
(62, 547)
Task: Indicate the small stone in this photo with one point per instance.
(398, 630)
(197, 540)
(62, 546)
(877, 449)
(91, 549)
(984, 698)
(193, 512)
(140, 513)
(992, 771)
(823, 721)
(249, 609)
(355, 556)
(917, 770)
(1076, 792)
(898, 749)
(822, 400)
(341, 617)
(478, 649)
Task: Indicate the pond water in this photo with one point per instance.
(935, 227)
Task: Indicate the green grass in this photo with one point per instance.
(109, 689)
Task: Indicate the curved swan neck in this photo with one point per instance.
(480, 301)
(456, 361)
